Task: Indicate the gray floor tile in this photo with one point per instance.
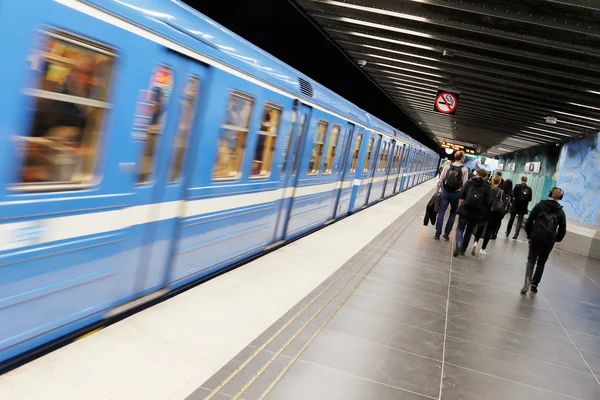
(404, 295)
(375, 362)
(580, 325)
(581, 385)
(311, 382)
(509, 322)
(296, 334)
(215, 380)
(464, 384)
(467, 294)
(593, 361)
(385, 332)
(401, 270)
(585, 342)
(439, 289)
(397, 312)
(565, 355)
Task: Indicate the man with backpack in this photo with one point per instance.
(475, 201)
(452, 179)
(522, 195)
(545, 226)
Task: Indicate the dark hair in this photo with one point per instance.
(482, 172)
(459, 155)
(507, 186)
(523, 179)
(499, 173)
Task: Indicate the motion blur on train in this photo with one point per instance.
(146, 147)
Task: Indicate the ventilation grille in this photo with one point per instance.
(305, 87)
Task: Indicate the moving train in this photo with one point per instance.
(147, 148)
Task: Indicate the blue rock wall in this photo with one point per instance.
(578, 173)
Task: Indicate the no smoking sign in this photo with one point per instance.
(446, 102)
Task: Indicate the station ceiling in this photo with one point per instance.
(513, 63)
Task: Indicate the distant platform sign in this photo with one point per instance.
(446, 102)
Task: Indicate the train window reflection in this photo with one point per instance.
(356, 152)
(161, 85)
(70, 103)
(316, 153)
(288, 139)
(331, 150)
(234, 132)
(298, 142)
(368, 157)
(186, 113)
(267, 138)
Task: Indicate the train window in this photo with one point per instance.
(357, 145)
(288, 139)
(316, 153)
(267, 138)
(186, 113)
(386, 156)
(70, 104)
(396, 160)
(368, 157)
(234, 132)
(298, 142)
(333, 142)
(381, 165)
(161, 85)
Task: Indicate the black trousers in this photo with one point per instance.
(538, 255)
(512, 220)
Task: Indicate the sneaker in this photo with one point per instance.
(515, 237)
(446, 236)
(457, 250)
(482, 252)
(507, 234)
(462, 253)
(474, 249)
(533, 288)
(525, 288)
(436, 237)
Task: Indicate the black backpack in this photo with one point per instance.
(453, 179)
(522, 194)
(544, 228)
(475, 197)
(499, 206)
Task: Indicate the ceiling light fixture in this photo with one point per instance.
(577, 116)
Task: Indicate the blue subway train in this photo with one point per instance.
(147, 148)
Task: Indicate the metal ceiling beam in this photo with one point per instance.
(589, 4)
(451, 44)
(430, 19)
(498, 11)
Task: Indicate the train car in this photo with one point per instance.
(147, 148)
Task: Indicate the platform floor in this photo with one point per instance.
(368, 308)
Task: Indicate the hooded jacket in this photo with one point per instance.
(550, 206)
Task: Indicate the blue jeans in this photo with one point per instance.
(464, 231)
(446, 198)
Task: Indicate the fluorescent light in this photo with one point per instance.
(547, 131)
(540, 134)
(585, 106)
(380, 26)
(574, 124)
(396, 60)
(409, 70)
(385, 72)
(555, 127)
(391, 51)
(373, 10)
(593, 92)
(577, 116)
(401, 80)
(384, 39)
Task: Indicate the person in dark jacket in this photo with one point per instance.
(522, 195)
(492, 217)
(474, 201)
(546, 226)
(507, 187)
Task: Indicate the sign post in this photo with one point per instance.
(446, 102)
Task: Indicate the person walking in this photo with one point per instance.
(452, 179)
(546, 226)
(522, 195)
(475, 200)
(507, 187)
(492, 218)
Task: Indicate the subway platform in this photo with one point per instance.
(368, 308)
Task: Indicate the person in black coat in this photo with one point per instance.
(546, 226)
(507, 187)
(474, 201)
(492, 218)
(522, 195)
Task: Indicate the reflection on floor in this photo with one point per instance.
(403, 319)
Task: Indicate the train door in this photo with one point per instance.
(342, 167)
(389, 167)
(291, 168)
(159, 185)
(374, 165)
(400, 168)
